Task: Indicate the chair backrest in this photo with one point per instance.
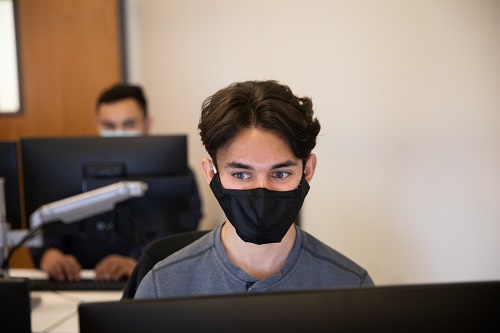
(156, 251)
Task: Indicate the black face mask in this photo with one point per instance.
(260, 216)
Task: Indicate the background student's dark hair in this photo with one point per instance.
(261, 104)
(122, 91)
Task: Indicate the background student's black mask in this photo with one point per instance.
(260, 216)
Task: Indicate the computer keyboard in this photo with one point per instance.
(84, 284)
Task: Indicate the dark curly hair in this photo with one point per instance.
(259, 104)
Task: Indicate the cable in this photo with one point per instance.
(30, 235)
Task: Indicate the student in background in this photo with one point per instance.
(121, 110)
(259, 137)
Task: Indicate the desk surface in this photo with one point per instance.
(58, 310)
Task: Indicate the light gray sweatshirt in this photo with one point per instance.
(203, 268)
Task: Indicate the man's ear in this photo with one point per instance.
(310, 167)
(97, 122)
(208, 169)
(147, 125)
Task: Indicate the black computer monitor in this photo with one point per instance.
(55, 168)
(15, 305)
(454, 307)
(9, 170)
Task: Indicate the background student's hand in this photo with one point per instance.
(60, 266)
(114, 267)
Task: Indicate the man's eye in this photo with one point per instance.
(281, 174)
(129, 125)
(240, 175)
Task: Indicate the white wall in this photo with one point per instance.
(408, 94)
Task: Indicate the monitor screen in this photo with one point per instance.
(470, 307)
(10, 173)
(59, 167)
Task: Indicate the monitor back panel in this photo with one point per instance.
(15, 306)
(454, 307)
(56, 168)
(9, 171)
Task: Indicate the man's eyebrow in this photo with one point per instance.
(285, 164)
(129, 121)
(237, 165)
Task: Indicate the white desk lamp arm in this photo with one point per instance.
(87, 204)
(68, 210)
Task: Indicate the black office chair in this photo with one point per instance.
(156, 251)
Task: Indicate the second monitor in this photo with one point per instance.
(59, 167)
